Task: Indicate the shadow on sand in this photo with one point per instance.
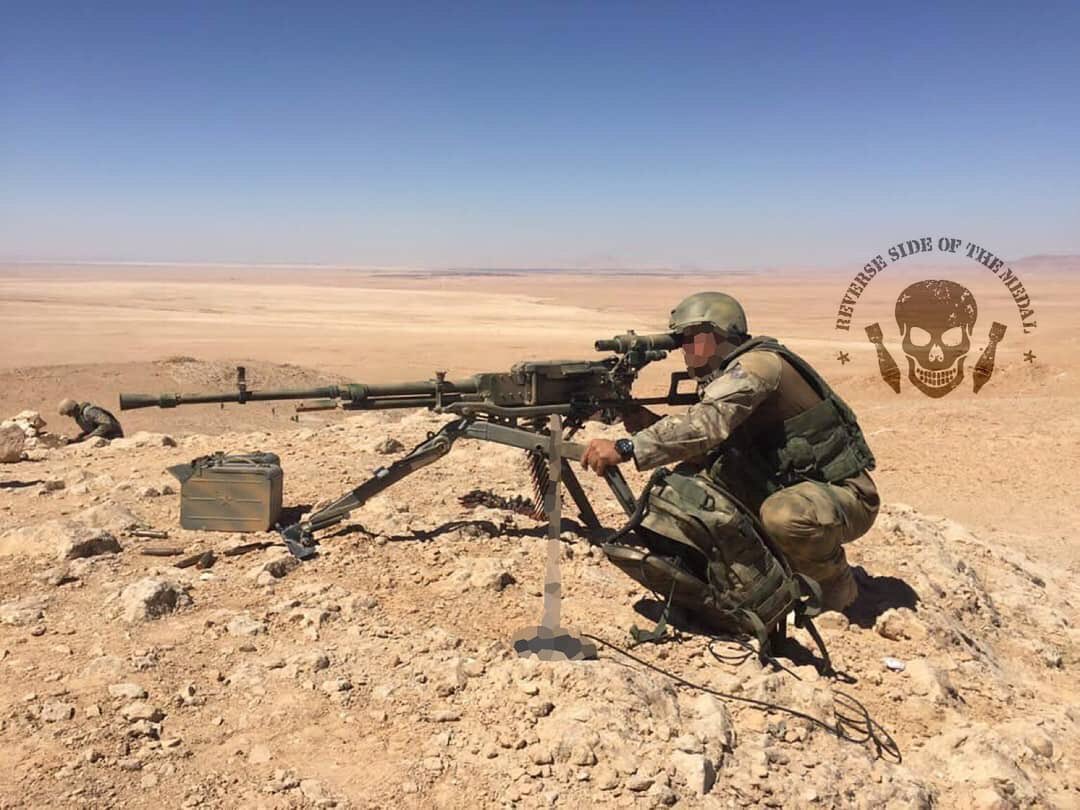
(20, 484)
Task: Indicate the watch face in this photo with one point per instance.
(625, 448)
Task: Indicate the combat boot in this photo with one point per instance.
(839, 591)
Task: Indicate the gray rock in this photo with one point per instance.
(336, 685)
(582, 756)
(283, 780)
(605, 778)
(24, 612)
(451, 678)
(639, 783)
(187, 696)
(314, 791)
(275, 568)
(928, 681)
(1052, 658)
(310, 661)
(55, 712)
(87, 543)
(127, 691)
(244, 625)
(663, 795)
(103, 670)
(484, 574)
(12, 444)
(988, 798)
(57, 575)
(144, 728)
(713, 722)
(389, 445)
(29, 420)
(541, 755)
(900, 623)
(541, 708)
(696, 770)
(41, 538)
(690, 744)
(141, 710)
(151, 598)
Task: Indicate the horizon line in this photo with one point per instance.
(389, 268)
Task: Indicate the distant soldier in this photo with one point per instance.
(769, 429)
(93, 420)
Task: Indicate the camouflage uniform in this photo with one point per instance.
(745, 405)
(95, 421)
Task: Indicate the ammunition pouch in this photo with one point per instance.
(707, 553)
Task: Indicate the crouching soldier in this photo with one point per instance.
(767, 430)
(93, 421)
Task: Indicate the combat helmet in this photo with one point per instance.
(67, 407)
(717, 309)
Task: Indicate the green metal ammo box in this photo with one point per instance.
(230, 493)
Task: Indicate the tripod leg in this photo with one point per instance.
(298, 536)
(553, 507)
(620, 489)
(581, 500)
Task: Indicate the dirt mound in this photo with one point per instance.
(380, 673)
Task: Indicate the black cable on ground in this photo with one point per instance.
(854, 724)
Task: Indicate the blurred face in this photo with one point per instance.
(699, 346)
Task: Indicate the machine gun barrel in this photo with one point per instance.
(130, 402)
(355, 396)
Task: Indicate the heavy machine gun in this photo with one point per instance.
(537, 406)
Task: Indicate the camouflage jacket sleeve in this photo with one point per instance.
(725, 403)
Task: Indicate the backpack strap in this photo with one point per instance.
(644, 636)
(805, 610)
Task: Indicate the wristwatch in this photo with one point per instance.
(625, 448)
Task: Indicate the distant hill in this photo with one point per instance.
(1047, 263)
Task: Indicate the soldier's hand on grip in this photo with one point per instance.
(599, 455)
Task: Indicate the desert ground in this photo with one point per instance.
(379, 673)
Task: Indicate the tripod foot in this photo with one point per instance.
(549, 644)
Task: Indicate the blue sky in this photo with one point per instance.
(546, 134)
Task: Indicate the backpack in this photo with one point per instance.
(706, 552)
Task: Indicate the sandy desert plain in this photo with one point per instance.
(379, 674)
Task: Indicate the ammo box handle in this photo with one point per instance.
(241, 460)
